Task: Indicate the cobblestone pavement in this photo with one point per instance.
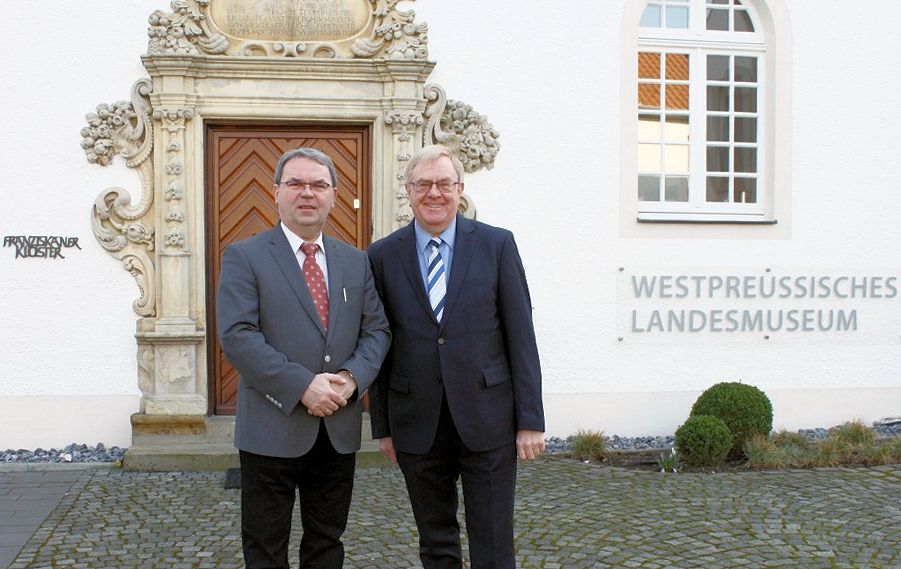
(569, 515)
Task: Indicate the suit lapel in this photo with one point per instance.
(410, 262)
(335, 261)
(464, 245)
(286, 260)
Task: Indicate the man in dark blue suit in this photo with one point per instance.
(459, 394)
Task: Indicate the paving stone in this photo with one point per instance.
(568, 515)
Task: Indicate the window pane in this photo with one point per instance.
(717, 20)
(743, 22)
(676, 128)
(649, 96)
(648, 65)
(746, 69)
(717, 98)
(649, 157)
(677, 66)
(676, 189)
(717, 189)
(746, 160)
(745, 99)
(717, 67)
(718, 129)
(677, 158)
(649, 188)
(651, 17)
(677, 17)
(717, 158)
(649, 127)
(677, 97)
(717, 1)
(745, 129)
(745, 190)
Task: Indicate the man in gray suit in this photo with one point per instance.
(300, 319)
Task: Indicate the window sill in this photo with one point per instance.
(730, 218)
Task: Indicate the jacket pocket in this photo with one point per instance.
(496, 375)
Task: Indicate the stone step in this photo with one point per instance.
(214, 449)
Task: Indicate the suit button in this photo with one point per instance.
(441, 341)
(328, 358)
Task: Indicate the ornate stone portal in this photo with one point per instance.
(352, 61)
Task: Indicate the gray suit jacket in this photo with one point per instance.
(270, 331)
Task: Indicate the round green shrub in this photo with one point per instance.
(703, 440)
(746, 410)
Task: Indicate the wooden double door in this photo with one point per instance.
(240, 168)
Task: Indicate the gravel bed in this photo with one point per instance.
(71, 453)
(557, 445)
(100, 453)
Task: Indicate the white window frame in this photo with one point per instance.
(773, 123)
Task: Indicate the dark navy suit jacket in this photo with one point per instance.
(483, 354)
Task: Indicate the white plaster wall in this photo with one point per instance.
(548, 77)
(67, 332)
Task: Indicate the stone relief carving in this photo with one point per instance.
(184, 31)
(404, 123)
(188, 29)
(175, 363)
(124, 129)
(396, 34)
(458, 126)
(173, 122)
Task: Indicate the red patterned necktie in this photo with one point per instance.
(315, 281)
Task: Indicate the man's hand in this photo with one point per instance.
(386, 445)
(344, 383)
(529, 444)
(320, 398)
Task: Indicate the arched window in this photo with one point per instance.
(703, 128)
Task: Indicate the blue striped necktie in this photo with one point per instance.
(437, 286)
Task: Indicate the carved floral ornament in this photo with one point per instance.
(125, 128)
(189, 29)
(458, 126)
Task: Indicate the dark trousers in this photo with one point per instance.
(324, 479)
(489, 480)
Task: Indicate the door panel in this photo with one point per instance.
(240, 166)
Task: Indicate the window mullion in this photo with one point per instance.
(698, 122)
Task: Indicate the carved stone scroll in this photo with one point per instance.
(458, 126)
(396, 35)
(184, 31)
(123, 128)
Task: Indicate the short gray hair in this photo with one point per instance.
(310, 154)
(430, 154)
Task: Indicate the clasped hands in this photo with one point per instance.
(328, 392)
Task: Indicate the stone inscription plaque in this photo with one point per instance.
(291, 20)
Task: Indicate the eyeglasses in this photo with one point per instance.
(297, 185)
(424, 186)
